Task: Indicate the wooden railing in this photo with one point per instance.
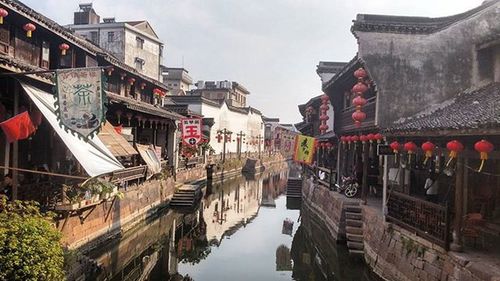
(346, 116)
(429, 220)
(128, 174)
(328, 180)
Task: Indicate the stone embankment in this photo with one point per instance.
(392, 252)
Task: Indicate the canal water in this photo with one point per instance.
(243, 229)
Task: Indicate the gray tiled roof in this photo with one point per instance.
(471, 109)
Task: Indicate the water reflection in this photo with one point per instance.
(242, 230)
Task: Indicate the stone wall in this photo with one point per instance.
(90, 227)
(114, 217)
(327, 205)
(396, 254)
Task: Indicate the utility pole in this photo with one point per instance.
(240, 136)
(259, 139)
(225, 133)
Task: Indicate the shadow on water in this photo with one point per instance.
(243, 229)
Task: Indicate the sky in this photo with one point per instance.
(272, 47)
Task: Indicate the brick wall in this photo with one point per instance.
(396, 254)
(326, 205)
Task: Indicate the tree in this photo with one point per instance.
(30, 245)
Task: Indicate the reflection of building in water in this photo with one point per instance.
(231, 206)
(283, 258)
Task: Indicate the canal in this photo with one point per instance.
(243, 229)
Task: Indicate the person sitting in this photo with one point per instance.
(6, 186)
(431, 188)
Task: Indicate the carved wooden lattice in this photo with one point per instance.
(427, 219)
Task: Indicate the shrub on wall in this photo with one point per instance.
(30, 247)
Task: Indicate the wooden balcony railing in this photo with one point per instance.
(346, 123)
(429, 220)
(128, 174)
(326, 177)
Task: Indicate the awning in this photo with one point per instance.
(326, 136)
(143, 107)
(115, 142)
(149, 156)
(93, 155)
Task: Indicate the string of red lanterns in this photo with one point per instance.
(454, 147)
(358, 102)
(324, 115)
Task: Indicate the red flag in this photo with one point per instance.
(118, 129)
(18, 127)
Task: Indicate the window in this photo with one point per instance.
(139, 63)
(94, 37)
(111, 36)
(45, 54)
(175, 84)
(485, 59)
(140, 42)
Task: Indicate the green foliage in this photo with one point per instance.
(30, 247)
(409, 245)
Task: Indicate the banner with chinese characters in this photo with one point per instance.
(79, 100)
(191, 130)
(304, 149)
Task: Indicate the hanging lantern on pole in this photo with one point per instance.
(411, 148)
(363, 138)
(110, 70)
(371, 137)
(3, 14)
(29, 28)
(428, 147)
(63, 47)
(454, 147)
(360, 73)
(483, 147)
(131, 81)
(358, 116)
(395, 146)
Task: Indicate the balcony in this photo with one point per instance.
(345, 122)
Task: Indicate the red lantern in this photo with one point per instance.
(428, 147)
(143, 85)
(131, 81)
(360, 73)
(110, 70)
(29, 28)
(379, 137)
(355, 138)
(3, 14)
(329, 145)
(371, 137)
(348, 139)
(395, 146)
(343, 139)
(359, 102)
(410, 147)
(454, 147)
(358, 117)
(324, 117)
(363, 138)
(123, 75)
(63, 47)
(360, 88)
(325, 98)
(483, 147)
(324, 107)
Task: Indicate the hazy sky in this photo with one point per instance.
(272, 47)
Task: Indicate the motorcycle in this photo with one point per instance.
(349, 186)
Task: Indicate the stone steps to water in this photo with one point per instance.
(354, 237)
(353, 216)
(185, 197)
(354, 223)
(294, 188)
(352, 245)
(356, 252)
(353, 230)
(353, 209)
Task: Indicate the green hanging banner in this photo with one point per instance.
(80, 100)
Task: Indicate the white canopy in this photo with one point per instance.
(93, 155)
